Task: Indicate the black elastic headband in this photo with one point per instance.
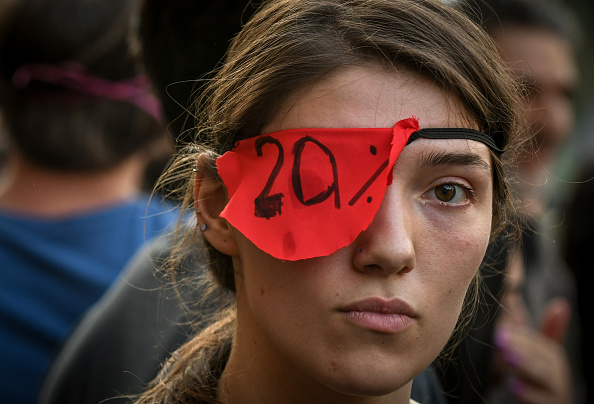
(456, 133)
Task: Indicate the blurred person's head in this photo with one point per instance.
(537, 39)
(71, 90)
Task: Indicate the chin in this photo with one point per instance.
(371, 384)
(369, 389)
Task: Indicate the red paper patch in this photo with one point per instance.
(304, 193)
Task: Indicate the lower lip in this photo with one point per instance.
(380, 322)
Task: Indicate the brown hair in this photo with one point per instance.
(291, 44)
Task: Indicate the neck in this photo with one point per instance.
(27, 188)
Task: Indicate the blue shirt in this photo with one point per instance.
(52, 271)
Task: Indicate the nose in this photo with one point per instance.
(387, 246)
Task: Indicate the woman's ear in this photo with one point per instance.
(210, 198)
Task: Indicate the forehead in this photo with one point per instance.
(538, 53)
(368, 97)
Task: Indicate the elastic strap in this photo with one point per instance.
(73, 76)
(456, 133)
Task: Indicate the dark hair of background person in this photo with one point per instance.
(80, 132)
(212, 24)
(493, 14)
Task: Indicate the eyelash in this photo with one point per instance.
(468, 192)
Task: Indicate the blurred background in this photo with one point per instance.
(580, 147)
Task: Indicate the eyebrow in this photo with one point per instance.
(437, 159)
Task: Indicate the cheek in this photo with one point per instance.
(464, 255)
(452, 262)
(284, 312)
(458, 244)
(282, 296)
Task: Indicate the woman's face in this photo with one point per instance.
(367, 319)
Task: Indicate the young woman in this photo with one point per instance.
(348, 181)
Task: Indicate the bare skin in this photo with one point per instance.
(28, 189)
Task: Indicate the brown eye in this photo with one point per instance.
(451, 193)
(445, 192)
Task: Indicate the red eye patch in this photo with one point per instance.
(305, 193)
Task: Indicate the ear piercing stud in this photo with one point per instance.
(360, 250)
(203, 227)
